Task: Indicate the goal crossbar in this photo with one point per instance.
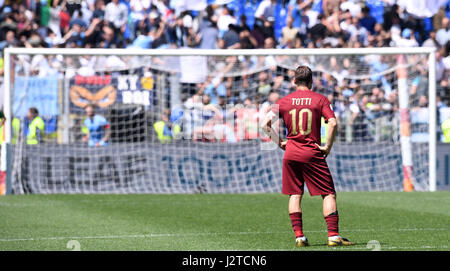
(221, 52)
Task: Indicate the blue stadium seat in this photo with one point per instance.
(376, 9)
(250, 9)
(428, 24)
(280, 20)
(317, 6)
(234, 6)
(447, 9)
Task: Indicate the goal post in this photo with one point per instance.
(169, 92)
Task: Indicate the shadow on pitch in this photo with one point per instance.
(356, 245)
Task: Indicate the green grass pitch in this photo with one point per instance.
(397, 220)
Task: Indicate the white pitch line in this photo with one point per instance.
(156, 235)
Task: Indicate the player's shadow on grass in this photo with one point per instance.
(357, 244)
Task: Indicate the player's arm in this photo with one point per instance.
(86, 137)
(331, 134)
(267, 126)
(330, 118)
(107, 128)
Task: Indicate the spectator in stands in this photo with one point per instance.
(221, 126)
(247, 121)
(225, 18)
(143, 40)
(346, 22)
(108, 39)
(391, 17)
(359, 125)
(289, 33)
(165, 130)
(422, 103)
(357, 32)
(268, 30)
(443, 34)
(8, 23)
(10, 40)
(157, 30)
(319, 30)
(266, 10)
(406, 39)
(178, 33)
(231, 38)
(258, 32)
(272, 98)
(2, 122)
(97, 128)
(139, 9)
(445, 126)
(116, 13)
(264, 84)
(247, 41)
(367, 21)
(78, 33)
(202, 113)
(36, 128)
(214, 88)
(431, 41)
(99, 9)
(420, 121)
(419, 86)
(311, 16)
(299, 16)
(208, 32)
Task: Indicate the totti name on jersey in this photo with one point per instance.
(301, 101)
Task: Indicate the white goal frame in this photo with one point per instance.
(8, 52)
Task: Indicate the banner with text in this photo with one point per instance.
(106, 90)
(192, 168)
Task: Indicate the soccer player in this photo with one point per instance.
(304, 157)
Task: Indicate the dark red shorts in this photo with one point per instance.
(315, 174)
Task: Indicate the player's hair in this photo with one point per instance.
(303, 76)
(90, 105)
(34, 111)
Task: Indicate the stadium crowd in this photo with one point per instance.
(248, 24)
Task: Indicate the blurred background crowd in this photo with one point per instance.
(251, 24)
(218, 24)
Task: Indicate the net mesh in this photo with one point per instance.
(190, 124)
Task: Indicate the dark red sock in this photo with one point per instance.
(332, 224)
(297, 225)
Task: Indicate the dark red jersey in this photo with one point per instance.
(301, 112)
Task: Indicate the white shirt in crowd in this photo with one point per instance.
(352, 6)
(402, 42)
(265, 9)
(117, 14)
(224, 21)
(139, 8)
(443, 35)
(312, 17)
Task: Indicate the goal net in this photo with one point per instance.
(189, 121)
